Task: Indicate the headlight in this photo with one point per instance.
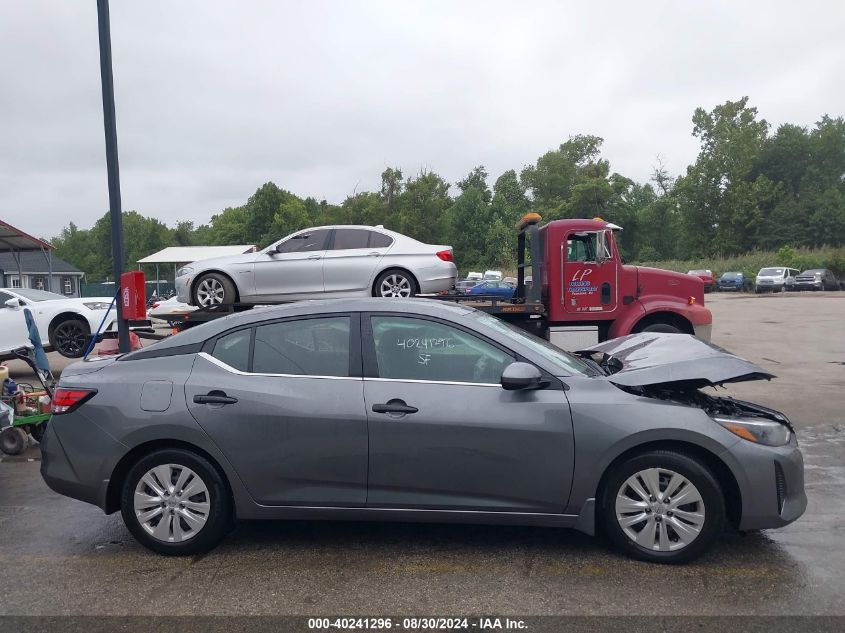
(757, 430)
(185, 270)
(97, 305)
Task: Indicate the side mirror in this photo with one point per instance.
(279, 247)
(13, 303)
(522, 376)
(602, 247)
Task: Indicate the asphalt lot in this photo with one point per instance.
(59, 556)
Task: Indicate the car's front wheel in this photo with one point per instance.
(175, 502)
(662, 506)
(213, 289)
(70, 337)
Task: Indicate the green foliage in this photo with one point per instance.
(802, 258)
(749, 193)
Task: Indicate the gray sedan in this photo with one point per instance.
(415, 410)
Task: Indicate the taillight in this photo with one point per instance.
(446, 255)
(154, 306)
(66, 400)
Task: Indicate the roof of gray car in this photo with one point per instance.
(210, 329)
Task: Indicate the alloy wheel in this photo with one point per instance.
(70, 338)
(395, 285)
(171, 503)
(210, 292)
(660, 510)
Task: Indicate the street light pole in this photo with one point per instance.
(115, 210)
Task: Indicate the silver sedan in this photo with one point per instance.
(321, 263)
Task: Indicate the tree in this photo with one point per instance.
(261, 209)
(422, 207)
(391, 188)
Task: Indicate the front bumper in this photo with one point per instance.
(808, 285)
(183, 288)
(771, 483)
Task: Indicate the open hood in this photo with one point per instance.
(652, 358)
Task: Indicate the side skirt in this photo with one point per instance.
(422, 516)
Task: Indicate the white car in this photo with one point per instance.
(64, 323)
(165, 309)
(325, 262)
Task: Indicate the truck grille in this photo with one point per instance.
(780, 486)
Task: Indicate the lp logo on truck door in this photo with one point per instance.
(589, 277)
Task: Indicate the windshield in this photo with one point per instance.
(814, 271)
(771, 272)
(699, 272)
(37, 295)
(731, 275)
(564, 362)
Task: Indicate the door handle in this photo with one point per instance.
(314, 256)
(215, 397)
(394, 406)
(374, 254)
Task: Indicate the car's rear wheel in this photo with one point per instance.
(213, 289)
(662, 506)
(70, 337)
(395, 283)
(175, 502)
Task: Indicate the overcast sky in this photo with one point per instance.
(215, 98)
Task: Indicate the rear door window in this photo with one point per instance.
(379, 240)
(233, 349)
(347, 239)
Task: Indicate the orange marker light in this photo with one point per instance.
(691, 301)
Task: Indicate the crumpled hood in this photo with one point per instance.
(652, 358)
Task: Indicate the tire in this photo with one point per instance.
(203, 518)
(395, 283)
(37, 431)
(70, 337)
(12, 440)
(662, 327)
(213, 289)
(656, 537)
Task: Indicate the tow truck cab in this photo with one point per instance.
(590, 296)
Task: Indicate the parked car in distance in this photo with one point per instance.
(321, 263)
(501, 289)
(465, 285)
(706, 276)
(474, 276)
(183, 436)
(775, 279)
(495, 275)
(734, 281)
(64, 323)
(816, 279)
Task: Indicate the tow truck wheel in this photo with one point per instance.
(662, 327)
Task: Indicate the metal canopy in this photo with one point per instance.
(15, 241)
(187, 254)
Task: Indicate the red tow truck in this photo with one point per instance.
(573, 289)
(586, 294)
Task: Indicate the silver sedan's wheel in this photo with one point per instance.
(660, 510)
(210, 292)
(172, 503)
(395, 284)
